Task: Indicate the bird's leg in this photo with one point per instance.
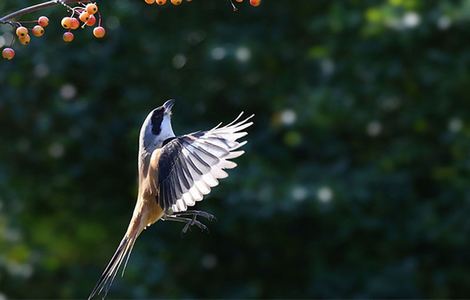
(189, 222)
(195, 213)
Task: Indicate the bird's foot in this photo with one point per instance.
(191, 221)
(195, 213)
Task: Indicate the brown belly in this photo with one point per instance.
(155, 212)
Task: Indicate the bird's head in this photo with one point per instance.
(157, 127)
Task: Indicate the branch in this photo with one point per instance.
(33, 8)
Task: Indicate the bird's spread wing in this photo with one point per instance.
(190, 165)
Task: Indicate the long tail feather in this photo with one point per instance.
(106, 279)
(121, 255)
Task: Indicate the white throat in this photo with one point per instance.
(166, 129)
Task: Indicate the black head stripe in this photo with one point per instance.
(157, 118)
(168, 140)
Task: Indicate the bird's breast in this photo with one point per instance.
(155, 212)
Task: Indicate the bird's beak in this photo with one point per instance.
(168, 105)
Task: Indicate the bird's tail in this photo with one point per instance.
(121, 255)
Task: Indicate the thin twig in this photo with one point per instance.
(33, 8)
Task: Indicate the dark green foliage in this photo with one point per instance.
(356, 178)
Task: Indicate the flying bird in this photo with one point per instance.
(174, 173)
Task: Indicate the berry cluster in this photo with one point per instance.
(178, 2)
(24, 38)
(163, 2)
(254, 3)
(81, 16)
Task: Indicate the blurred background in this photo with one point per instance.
(356, 180)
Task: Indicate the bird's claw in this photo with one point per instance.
(190, 219)
(196, 213)
(193, 222)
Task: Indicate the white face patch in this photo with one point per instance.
(166, 129)
(166, 132)
(148, 140)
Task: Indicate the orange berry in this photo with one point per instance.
(43, 21)
(37, 30)
(150, 1)
(68, 37)
(91, 21)
(21, 31)
(74, 23)
(99, 32)
(255, 2)
(239, 1)
(66, 22)
(91, 8)
(161, 2)
(8, 53)
(176, 2)
(24, 40)
(84, 16)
